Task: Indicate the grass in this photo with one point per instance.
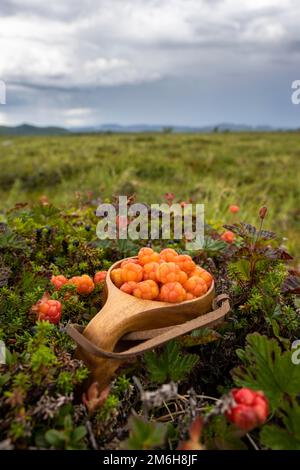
(248, 169)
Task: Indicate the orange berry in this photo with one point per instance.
(146, 255)
(84, 284)
(168, 254)
(196, 286)
(183, 277)
(49, 310)
(116, 277)
(128, 287)
(200, 272)
(190, 296)
(168, 272)
(129, 260)
(150, 271)
(172, 292)
(234, 208)
(132, 272)
(228, 236)
(147, 290)
(185, 263)
(100, 276)
(58, 281)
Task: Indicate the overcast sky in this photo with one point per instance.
(194, 62)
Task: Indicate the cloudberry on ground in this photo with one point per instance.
(116, 277)
(172, 292)
(147, 290)
(129, 260)
(132, 272)
(84, 284)
(49, 310)
(168, 254)
(128, 287)
(150, 271)
(146, 255)
(228, 236)
(251, 408)
(196, 286)
(185, 263)
(200, 272)
(233, 208)
(100, 276)
(169, 272)
(58, 281)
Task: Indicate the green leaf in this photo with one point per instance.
(144, 434)
(199, 336)
(55, 438)
(267, 368)
(287, 438)
(78, 433)
(171, 364)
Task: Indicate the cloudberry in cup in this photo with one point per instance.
(189, 296)
(200, 272)
(228, 236)
(100, 276)
(147, 290)
(172, 292)
(84, 284)
(58, 281)
(168, 255)
(146, 255)
(196, 286)
(250, 410)
(129, 260)
(49, 310)
(132, 272)
(128, 287)
(116, 277)
(168, 272)
(185, 263)
(150, 271)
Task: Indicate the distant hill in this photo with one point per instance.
(27, 129)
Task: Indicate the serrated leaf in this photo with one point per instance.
(267, 368)
(287, 438)
(144, 435)
(171, 364)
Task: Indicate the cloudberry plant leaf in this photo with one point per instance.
(144, 435)
(267, 368)
(171, 364)
(284, 438)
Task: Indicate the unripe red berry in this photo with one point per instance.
(100, 276)
(58, 281)
(250, 410)
(49, 310)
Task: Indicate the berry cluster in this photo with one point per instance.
(84, 284)
(250, 410)
(165, 276)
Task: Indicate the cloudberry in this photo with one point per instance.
(49, 310)
(146, 255)
(228, 236)
(200, 272)
(251, 408)
(185, 263)
(58, 281)
(100, 276)
(150, 271)
(129, 260)
(84, 284)
(132, 272)
(147, 290)
(116, 277)
(172, 292)
(233, 208)
(189, 296)
(196, 286)
(168, 254)
(168, 272)
(128, 287)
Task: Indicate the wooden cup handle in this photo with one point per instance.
(221, 308)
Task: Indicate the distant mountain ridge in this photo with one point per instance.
(29, 129)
